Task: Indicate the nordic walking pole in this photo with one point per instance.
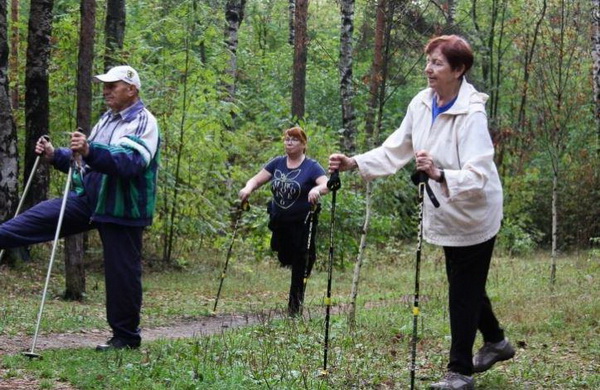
(420, 179)
(31, 354)
(244, 206)
(311, 218)
(26, 189)
(333, 184)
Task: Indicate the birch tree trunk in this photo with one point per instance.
(114, 31)
(348, 133)
(36, 94)
(74, 245)
(300, 54)
(9, 158)
(234, 14)
(9, 168)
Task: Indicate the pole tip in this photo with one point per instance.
(32, 355)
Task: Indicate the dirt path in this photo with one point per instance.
(201, 327)
(204, 326)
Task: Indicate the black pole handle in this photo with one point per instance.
(334, 183)
(420, 177)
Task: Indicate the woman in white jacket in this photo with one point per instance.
(445, 130)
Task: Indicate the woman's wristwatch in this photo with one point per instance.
(442, 176)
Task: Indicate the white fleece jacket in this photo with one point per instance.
(471, 197)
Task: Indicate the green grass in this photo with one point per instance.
(556, 329)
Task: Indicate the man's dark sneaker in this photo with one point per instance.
(492, 353)
(116, 343)
(454, 381)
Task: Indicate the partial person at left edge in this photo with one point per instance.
(114, 191)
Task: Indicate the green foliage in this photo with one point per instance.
(515, 239)
(211, 145)
(519, 234)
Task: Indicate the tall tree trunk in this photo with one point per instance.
(300, 54)
(14, 53)
(114, 31)
(9, 175)
(74, 268)
(36, 94)
(348, 133)
(376, 77)
(292, 21)
(74, 245)
(85, 65)
(596, 66)
(384, 69)
(9, 165)
(234, 14)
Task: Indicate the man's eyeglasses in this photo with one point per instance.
(292, 140)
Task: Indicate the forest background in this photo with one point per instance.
(225, 78)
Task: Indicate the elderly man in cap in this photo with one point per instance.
(114, 191)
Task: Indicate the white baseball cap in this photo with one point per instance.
(120, 73)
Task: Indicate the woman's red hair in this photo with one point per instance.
(296, 132)
(456, 49)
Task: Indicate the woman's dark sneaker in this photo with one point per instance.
(492, 353)
(454, 381)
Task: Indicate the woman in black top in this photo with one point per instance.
(297, 183)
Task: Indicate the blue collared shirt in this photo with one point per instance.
(436, 110)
